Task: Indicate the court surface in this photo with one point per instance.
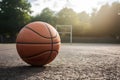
(83, 61)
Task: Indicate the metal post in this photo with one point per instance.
(65, 32)
(71, 35)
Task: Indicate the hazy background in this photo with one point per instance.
(92, 20)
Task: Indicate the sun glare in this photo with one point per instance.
(83, 5)
(76, 5)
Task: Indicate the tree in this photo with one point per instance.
(84, 17)
(84, 24)
(67, 16)
(13, 15)
(47, 15)
(99, 22)
(105, 22)
(115, 28)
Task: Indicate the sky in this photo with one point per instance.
(76, 5)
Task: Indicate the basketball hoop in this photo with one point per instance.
(65, 29)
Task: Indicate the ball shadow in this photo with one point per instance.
(19, 72)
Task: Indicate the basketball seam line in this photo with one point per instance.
(35, 43)
(46, 61)
(40, 34)
(51, 44)
(37, 54)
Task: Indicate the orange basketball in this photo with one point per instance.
(38, 43)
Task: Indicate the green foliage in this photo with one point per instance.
(47, 15)
(84, 17)
(13, 15)
(106, 21)
(67, 16)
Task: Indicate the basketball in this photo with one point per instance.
(38, 43)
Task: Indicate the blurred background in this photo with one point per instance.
(96, 21)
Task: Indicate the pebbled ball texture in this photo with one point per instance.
(38, 43)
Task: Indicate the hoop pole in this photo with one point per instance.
(65, 32)
(71, 35)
